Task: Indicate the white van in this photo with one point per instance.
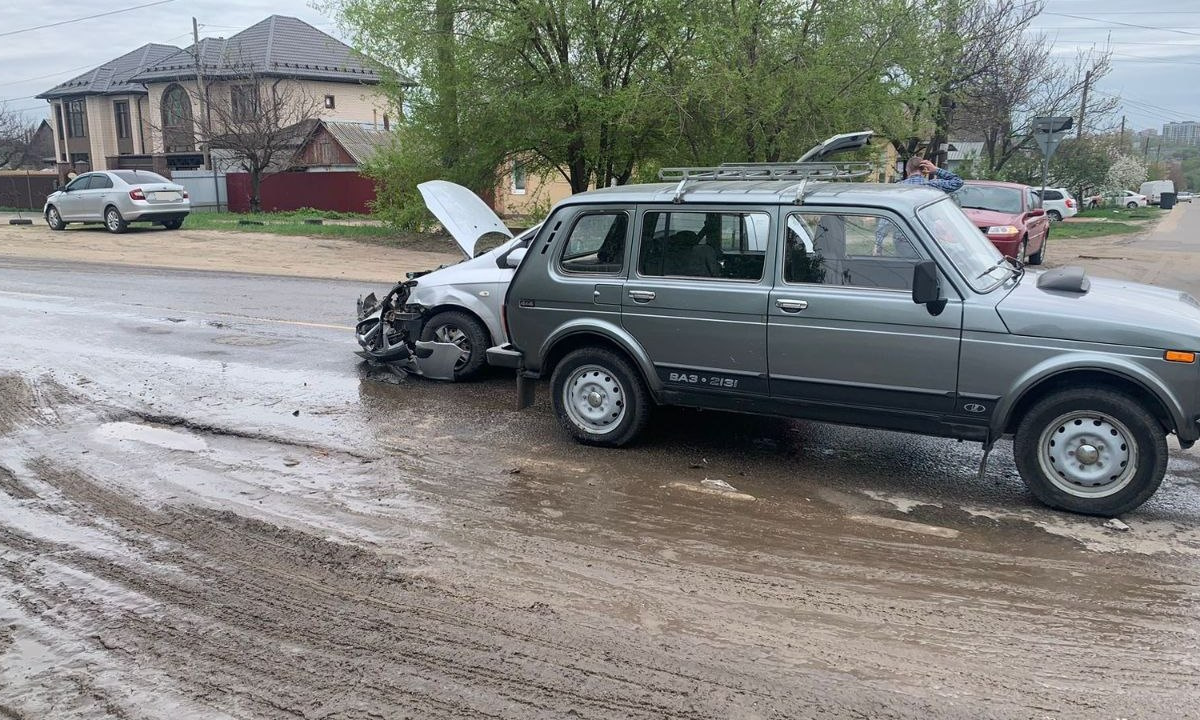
(1153, 189)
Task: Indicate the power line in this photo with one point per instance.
(1123, 24)
(1156, 61)
(48, 75)
(88, 17)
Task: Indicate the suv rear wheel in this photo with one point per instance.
(1055, 216)
(1091, 451)
(599, 397)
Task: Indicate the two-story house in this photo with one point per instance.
(143, 109)
(102, 113)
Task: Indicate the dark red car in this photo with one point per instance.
(1011, 216)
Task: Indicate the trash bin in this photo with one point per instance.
(1166, 200)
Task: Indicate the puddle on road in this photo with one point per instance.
(159, 437)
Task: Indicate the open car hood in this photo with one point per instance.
(837, 144)
(464, 215)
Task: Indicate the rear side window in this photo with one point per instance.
(721, 245)
(1053, 195)
(596, 244)
(100, 182)
(134, 177)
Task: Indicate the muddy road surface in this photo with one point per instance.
(210, 509)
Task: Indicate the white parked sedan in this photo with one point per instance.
(117, 198)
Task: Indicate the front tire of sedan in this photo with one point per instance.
(1092, 451)
(173, 224)
(54, 220)
(464, 331)
(599, 397)
(1131, 205)
(113, 220)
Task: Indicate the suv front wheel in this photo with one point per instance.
(1091, 450)
(599, 397)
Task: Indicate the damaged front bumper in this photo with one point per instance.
(388, 332)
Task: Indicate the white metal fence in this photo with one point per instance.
(207, 189)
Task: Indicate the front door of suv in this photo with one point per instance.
(843, 331)
(696, 299)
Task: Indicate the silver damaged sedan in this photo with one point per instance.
(117, 198)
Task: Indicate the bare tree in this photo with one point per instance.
(249, 120)
(1001, 106)
(971, 41)
(15, 136)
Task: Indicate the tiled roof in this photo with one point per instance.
(115, 76)
(277, 46)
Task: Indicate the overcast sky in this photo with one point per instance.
(1156, 65)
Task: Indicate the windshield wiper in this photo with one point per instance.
(1002, 262)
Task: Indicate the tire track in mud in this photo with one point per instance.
(281, 622)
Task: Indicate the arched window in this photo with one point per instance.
(178, 135)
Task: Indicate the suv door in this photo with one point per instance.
(696, 297)
(842, 328)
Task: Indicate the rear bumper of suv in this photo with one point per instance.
(505, 356)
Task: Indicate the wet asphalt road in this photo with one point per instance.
(211, 509)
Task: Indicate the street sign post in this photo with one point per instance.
(1047, 133)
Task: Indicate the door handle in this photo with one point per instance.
(791, 306)
(641, 296)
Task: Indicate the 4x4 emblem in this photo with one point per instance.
(974, 408)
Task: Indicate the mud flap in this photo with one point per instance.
(436, 360)
(525, 390)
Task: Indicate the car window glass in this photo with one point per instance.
(79, 183)
(100, 182)
(987, 197)
(723, 245)
(596, 244)
(1053, 195)
(134, 177)
(850, 250)
(1033, 200)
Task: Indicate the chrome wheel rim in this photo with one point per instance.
(1088, 454)
(452, 334)
(114, 221)
(594, 399)
(54, 217)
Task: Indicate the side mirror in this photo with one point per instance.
(1036, 212)
(515, 257)
(926, 290)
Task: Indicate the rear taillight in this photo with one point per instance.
(137, 194)
(1070, 202)
(185, 195)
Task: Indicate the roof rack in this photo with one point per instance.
(802, 172)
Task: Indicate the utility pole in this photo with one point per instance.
(1123, 146)
(201, 96)
(1087, 80)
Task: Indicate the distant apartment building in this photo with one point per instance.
(1182, 133)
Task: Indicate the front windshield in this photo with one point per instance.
(985, 197)
(975, 257)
